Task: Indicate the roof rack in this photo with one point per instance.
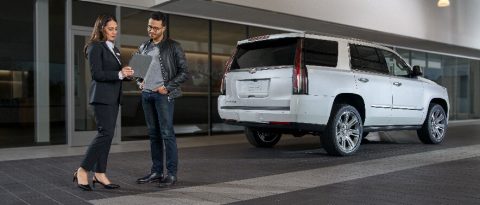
(319, 34)
(342, 37)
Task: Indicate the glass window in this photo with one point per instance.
(368, 53)
(448, 81)
(134, 22)
(458, 79)
(419, 58)
(274, 52)
(433, 70)
(224, 41)
(395, 65)
(85, 13)
(57, 72)
(321, 52)
(463, 88)
(366, 58)
(16, 74)
(193, 35)
(474, 85)
(133, 26)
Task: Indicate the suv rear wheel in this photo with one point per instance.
(435, 126)
(262, 138)
(343, 133)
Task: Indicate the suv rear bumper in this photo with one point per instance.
(259, 116)
(292, 127)
(304, 109)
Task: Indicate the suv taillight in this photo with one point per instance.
(228, 64)
(300, 77)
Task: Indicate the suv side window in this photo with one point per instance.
(396, 66)
(366, 59)
(321, 52)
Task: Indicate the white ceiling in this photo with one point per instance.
(407, 23)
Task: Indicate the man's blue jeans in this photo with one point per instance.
(158, 111)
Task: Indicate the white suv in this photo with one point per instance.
(338, 88)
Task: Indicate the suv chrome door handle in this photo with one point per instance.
(363, 80)
(397, 83)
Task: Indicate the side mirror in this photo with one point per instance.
(417, 71)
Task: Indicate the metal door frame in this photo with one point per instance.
(80, 138)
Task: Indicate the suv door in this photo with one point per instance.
(408, 94)
(372, 79)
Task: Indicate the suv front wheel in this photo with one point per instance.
(435, 126)
(262, 138)
(343, 133)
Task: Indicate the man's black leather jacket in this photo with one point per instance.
(174, 69)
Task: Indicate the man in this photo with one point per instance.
(159, 89)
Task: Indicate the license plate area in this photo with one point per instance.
(253, 88)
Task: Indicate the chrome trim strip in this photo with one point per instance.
(397, 107)
(381, 106)
(262, 68)
(406, 108)
(254, 108)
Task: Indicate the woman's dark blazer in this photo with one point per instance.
(106, 87)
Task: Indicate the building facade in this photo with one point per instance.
(44, 78)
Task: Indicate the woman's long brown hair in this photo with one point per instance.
(97, 33)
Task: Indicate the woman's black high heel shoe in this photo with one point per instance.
(106, 186)
(84, 187)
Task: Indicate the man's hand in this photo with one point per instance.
(141, 85)
(162, 90)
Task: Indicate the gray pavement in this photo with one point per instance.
(395, 169)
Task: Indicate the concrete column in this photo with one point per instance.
(475, 84)
(117, 138)
(69, 79)
(42, 72)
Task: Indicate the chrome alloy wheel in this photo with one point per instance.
(437, 124)
(347, 131)
(267, 136)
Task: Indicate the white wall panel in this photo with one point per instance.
(457, 24)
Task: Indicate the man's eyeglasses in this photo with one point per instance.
(156, 29)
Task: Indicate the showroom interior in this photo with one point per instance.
(44, 79)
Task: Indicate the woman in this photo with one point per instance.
(105, 95)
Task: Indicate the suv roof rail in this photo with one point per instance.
(342, 37)
(303, 33)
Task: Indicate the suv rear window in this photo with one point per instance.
(275, 52)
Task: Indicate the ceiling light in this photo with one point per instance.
(443, 3)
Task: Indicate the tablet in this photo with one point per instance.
(140, 64)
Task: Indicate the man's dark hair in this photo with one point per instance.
(159, 16)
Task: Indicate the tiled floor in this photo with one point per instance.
(42, 175)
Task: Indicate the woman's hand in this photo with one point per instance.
(127, 71)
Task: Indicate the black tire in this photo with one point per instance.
(347, 123)
(262, 138)
(435, 125)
